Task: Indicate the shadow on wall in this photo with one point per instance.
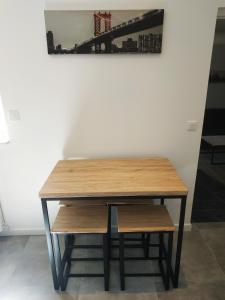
(105, 125)
(104, 129)
(88, 135)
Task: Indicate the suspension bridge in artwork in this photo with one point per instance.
(104, 34)
(148, 20)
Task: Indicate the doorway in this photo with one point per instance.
(209, 196)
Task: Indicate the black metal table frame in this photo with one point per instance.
(174, 270)
(213, 150)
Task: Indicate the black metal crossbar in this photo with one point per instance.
(86, 275)
(142, 274)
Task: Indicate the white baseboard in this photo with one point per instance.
(40, 231)
(187, 227)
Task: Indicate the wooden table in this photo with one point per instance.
(150, 177)
(217, 144)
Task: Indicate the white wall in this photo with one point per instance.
(99, 105)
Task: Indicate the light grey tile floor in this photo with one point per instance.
(25, 272)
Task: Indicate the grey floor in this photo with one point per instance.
(25, 272)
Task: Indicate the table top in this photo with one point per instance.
(215, 140)
(149, 176)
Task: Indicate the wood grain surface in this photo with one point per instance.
(142, 218)
(113, 177)
(81, 220)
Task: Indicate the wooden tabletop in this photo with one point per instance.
(150, 176)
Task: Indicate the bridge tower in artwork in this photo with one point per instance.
(100, 18)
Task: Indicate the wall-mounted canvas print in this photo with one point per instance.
(114, 31)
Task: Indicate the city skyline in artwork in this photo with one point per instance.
(104, 32)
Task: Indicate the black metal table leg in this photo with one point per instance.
(50, 244)
(179, 241)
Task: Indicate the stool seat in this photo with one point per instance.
(88, 219)
(144, 218)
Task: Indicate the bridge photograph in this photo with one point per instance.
(104, 32)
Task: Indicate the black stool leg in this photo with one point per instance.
(160, 246)
(106, 261)
(66, 241)
(121, 251)
(147, 241)
(58, 259)
(69, 241)
(168, 259)
(161, 266)
(72, 239)
(143, 239)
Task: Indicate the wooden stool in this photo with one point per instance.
(146, 219)
(109, 203)
(127, 202)
(79, 220)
